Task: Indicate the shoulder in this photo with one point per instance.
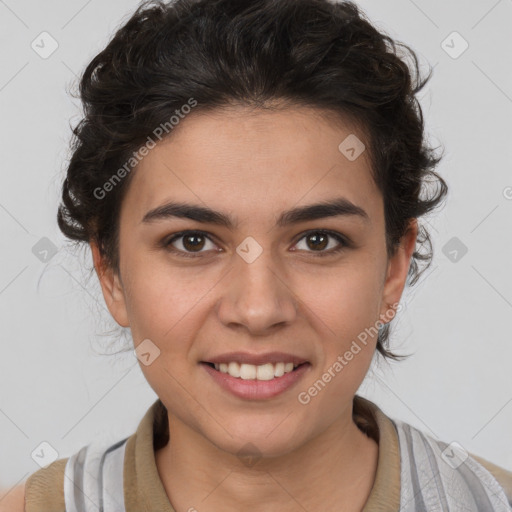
(13, 500)
(44, 489)
(502, 475)
(434, 471)
(54, 486)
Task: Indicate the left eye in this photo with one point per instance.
(319, 240)
(192, 243)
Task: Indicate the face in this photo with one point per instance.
(259, 281)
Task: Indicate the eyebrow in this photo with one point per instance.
(333, 208)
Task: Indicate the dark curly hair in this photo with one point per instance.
(256, 53)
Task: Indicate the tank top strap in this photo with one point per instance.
(93, 478)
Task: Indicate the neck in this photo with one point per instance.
(335, 471)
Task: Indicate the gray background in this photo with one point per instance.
(56, 387)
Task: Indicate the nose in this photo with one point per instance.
(258, 297)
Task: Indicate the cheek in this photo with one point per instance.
(344, 312)
(164, 306)
(345, 301)
(168, 306)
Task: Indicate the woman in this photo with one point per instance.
(248, 177)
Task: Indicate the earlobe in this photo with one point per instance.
(398, 268)
(111, 286)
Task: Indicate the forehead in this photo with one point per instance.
(254, 164)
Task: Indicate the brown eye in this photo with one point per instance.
(188, 243)
(193, 242)
(317, 241)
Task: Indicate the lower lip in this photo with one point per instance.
(252, 389)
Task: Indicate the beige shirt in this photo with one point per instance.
(144, 491)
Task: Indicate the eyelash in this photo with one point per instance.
(343, 241)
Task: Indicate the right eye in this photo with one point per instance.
(191, 243)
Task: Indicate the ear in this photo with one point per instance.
(398, 268)
(111, 286)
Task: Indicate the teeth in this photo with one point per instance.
(265, 372)
(279, 370)
(233, 369)
(249, 371)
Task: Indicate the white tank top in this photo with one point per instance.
(435, 477)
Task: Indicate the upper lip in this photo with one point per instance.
(256, 359)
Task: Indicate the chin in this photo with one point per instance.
(250, 451)
(268, 441)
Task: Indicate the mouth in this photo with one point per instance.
(251, 382)
(268, 371)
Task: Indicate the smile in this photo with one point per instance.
(256, 382)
